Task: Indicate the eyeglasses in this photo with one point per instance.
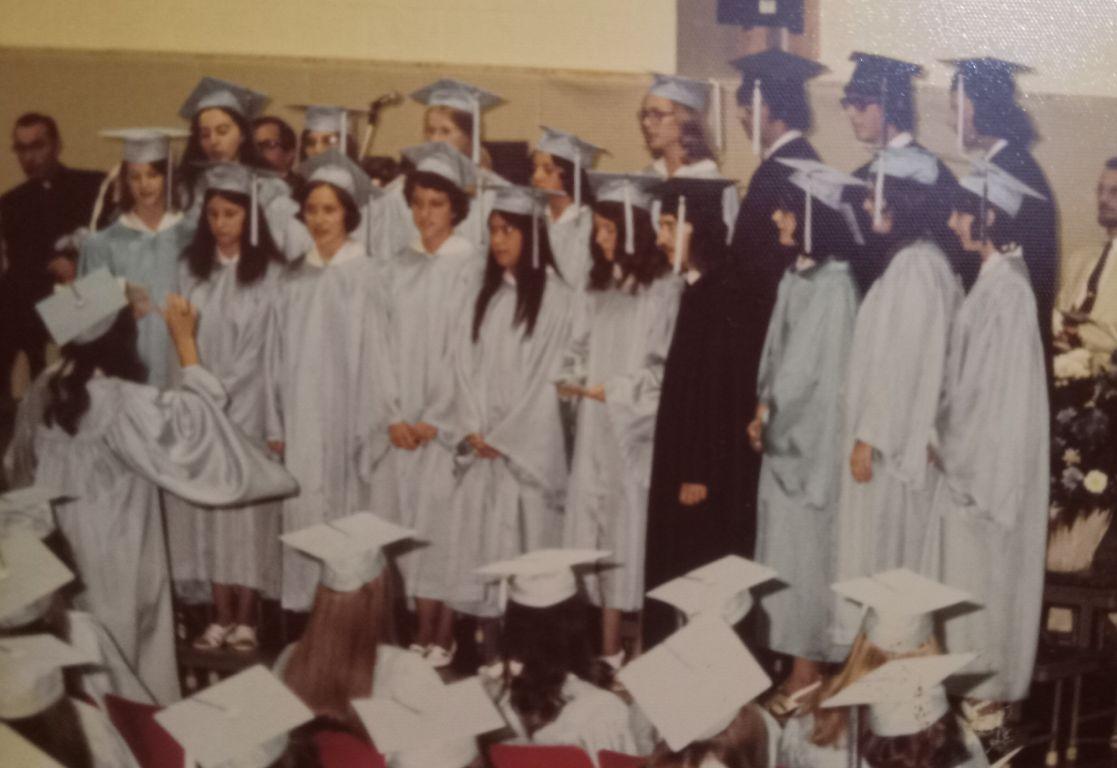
(269, 144)
(654, 115)
(860, 103)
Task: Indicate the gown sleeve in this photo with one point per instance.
(273, 368)
(572, 369)
(182, 441)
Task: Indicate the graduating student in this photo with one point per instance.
(561, 161)
(424, 293)
(615, 367)
(989, 524)
(984, 100)
(701, 505)
(322, 347)
(552, 690)
(37, 704)
(501, 412)
(110, 443)
(798, 421)
(879, 101)
(230, 271)
(896, 367)
(143, 245)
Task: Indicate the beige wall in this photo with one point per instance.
(87, 91)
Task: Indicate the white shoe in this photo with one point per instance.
(439, 657)
(213, 638)
(242, 639)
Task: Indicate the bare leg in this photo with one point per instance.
(444, 627)
(428, 611)
(223, 604)
(611, 631)
(246, 605)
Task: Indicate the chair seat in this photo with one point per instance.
(608, 759)
(532, 756)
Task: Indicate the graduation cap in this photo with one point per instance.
(569, 147)
(31, 673)
(691, 93)
(241, 722)
(762, 13)
(632, 190)
(884, 80)
(721, 588)
(30, 574)
(84, 310)
(900, 606)
(905, 696)
(443, 160)
(693, 684)
(350, 548)
(543, 577)
(818, 181)
(19, 751)
(245, 180)
(984, 79)
(525, 201)
(322, 118)
(462, 96)
(776, 72)
(29, 510)
(213, 92)
(992, 184)
(701, 197)
(910, 163)
(149, 145)
(436, 734)
(335, 167)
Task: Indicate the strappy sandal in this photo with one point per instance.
(213, 638)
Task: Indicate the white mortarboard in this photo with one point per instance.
(900, 606)
(721, 588)
(691, 93)
(212, 92)
(911, 163)
(323, 118)
(350, 548)
(30, 574)
(991, 183)
(84, 310)
(820, 182)
(244, 179)
(335, 167)
(525, 201)
(28, 509)
(149, 145)
(443, 160)
(905, 696)
(569, 147)
(443, 735)
(693, 684)
(31, 673)
(241, 722)
(17, 750)
(462, 96)
(541, 578)
(631, 189)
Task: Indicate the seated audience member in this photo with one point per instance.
(277, 145)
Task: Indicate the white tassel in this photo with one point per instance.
(343, 136)
(717, 109)
(807, 225)
(629, 234)
(878, 192)
(577, 179)
(476, 131)
(170, 179)
(254, 216)
(535, 236)
(756, 103)
(961, 116)
(680, 225)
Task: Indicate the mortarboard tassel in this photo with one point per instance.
(878, 192)
(680, 225)
(479, 221)
(476, 106)
(535, 236)
(961, 109)
(807, 225)
(577, 179)
(982, 209)
(343, 134)
(719, 128)
(170, 180)
(254, 216)
(756, 102)
(629, 235)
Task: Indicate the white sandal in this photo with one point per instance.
(242, 639)
(439, 657)
(213, 638)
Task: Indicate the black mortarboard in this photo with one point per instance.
(762, 13)
(777, 76)
(697, 200)
(886, 81)
(987, 82)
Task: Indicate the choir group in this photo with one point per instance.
(556, 409)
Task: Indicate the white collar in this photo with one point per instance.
(508, 279)
(1001, 256)
(349, 251)
(998, 145)
(901, 139)
(786, 138)
(803, 263)
(698, 169)
(569, 214)
(454, 244)
(132, 221)
(224, 260)
(691, 276)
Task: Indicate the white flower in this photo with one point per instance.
(1074, 364)
(1095, 481)
(1071, 457)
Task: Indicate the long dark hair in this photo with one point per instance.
(530, 282)
(645, 264)
(254, 259)
(194, 159)
(940, 744)
(567, 179)
(919, 211)
(114, 353)
(830, 234)
(1004, 231)
(707, 243)
(995, 111)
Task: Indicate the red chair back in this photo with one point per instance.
(530, 756)
(337, 749)
(152, 746)
(607, 759)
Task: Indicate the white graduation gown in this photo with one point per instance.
(569, 236)
(896, 367)
(321, 349)
(133, 441)
(237, 546)
(503, 389)
(280, 210)
(110, 673)
(802, 380)
(150, 259)
(989, 523)
(620, 341)
(424, 301)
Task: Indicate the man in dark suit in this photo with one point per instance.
(38, 222)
